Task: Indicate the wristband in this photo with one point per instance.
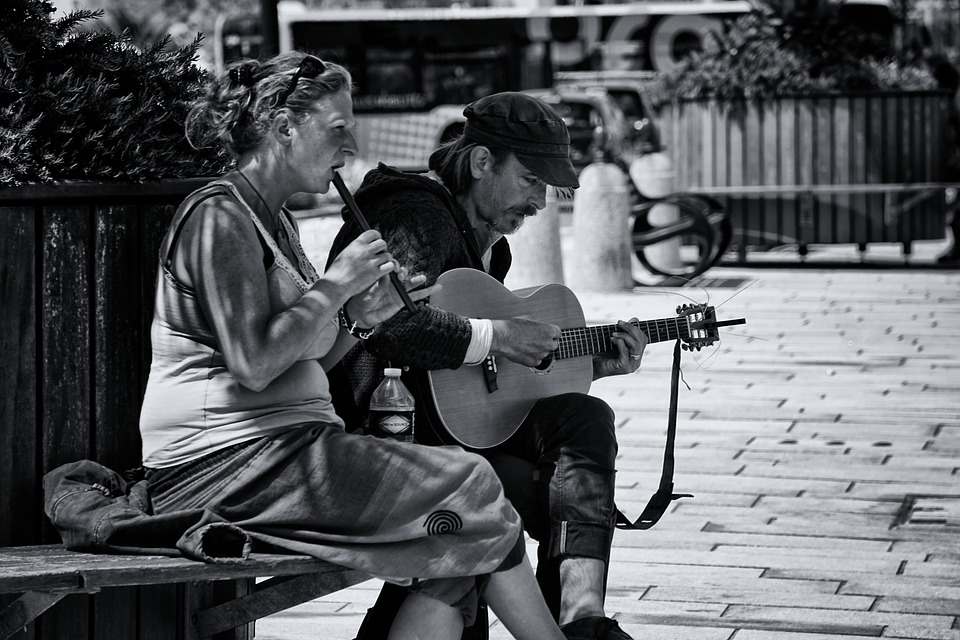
(351, 326)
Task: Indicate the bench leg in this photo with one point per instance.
(271, 596)
(27, 608)
(201, 596)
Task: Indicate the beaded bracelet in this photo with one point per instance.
(351, 326)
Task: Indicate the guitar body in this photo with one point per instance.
(472, 415)
(479, 413)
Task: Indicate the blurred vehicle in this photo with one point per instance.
(629, 90)
(598, 128)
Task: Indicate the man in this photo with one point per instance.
(948, 79)
(558, 468)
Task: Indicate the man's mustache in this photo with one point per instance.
(525, 211)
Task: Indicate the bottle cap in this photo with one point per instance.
(389, 371)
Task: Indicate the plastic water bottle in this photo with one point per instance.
(392, 408)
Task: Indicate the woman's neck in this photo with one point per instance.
(262, 191)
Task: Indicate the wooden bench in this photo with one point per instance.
(45, 574)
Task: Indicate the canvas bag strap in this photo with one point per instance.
(661, 500)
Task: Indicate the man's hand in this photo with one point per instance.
(381, 300)
(630, 342)
(524, 341)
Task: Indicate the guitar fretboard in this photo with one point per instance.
(587, 341)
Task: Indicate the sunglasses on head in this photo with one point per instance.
(310, 67)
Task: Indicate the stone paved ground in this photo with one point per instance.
(821, 441)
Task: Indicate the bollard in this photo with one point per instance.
(600, 260)
(537, 256)
(652, 175)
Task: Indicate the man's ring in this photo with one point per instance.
(634, 356)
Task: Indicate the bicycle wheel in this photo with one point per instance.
(687, 240)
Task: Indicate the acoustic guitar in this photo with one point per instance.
(481, 406)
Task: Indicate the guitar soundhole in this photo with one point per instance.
(544, 367)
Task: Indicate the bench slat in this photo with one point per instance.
(51, 567)
(45, 574)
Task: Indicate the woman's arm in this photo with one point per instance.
(220, 256)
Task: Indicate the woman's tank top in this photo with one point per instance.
(193, 405)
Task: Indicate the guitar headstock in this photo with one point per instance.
(701, 326)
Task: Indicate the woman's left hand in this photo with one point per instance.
(381, 300)
(630, 343)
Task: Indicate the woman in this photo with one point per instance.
(237, 417)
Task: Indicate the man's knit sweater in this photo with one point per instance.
(428, 233)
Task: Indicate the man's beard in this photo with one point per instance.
(518, 214)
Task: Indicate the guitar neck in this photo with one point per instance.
(590, 340)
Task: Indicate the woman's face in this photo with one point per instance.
(325, 140)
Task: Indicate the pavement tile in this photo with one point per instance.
(938, 606)
(765, 634)
(742, 618)
(782, 504)
(897, 625)
(757, 485)
(856, 527)
(764, 595)
(653, 573)
(847, 574)
(898, 491)
(788, 469)
(901, 587)
(684, 538)
(767, 559)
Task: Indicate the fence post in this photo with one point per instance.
(653, 176)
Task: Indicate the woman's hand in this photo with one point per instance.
(361, 264)
(381, 300)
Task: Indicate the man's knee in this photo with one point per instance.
(590, 427)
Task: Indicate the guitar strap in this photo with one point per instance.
(664, 496)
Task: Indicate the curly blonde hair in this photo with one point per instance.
(240, 103)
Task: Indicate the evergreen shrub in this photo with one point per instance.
(84, 104)
(769, 52)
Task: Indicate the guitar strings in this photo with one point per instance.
(706, 292)
(597, 338)
(743, 335)
(701, 363)
(737, 292)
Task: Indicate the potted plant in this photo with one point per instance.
(790, 117)
(79, 103)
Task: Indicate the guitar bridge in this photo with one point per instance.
(490, 373)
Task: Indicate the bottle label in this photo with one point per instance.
(392, 424)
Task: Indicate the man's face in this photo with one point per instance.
(506, 194)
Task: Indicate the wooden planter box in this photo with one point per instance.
(77, 269)
(856, 168)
